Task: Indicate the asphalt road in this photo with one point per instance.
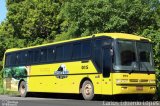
(68, 100)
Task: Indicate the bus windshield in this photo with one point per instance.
(132, 55)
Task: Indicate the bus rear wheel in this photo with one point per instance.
(87, 90)
(23, 89)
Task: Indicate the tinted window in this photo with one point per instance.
(126, 52)
(13, 59)
(24, 57)
(8, 60)
(43, 55)
(77, 51)
(144, 52)
(97, 50)
(30, 59)
(67, 51)
(59, 53)
(145, 56)
(98, 44)
(86, 49)
(51, 54)
(16, 59)
(21, 58)
(36, 56)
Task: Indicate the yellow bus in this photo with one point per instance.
(104, 63)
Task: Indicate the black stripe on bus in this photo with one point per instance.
(54, 75)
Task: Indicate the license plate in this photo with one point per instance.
(139, 88)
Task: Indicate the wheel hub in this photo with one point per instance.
(22, 90)
(88, 89)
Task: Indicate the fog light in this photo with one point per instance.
(152, 88)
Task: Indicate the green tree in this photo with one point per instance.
(33, 20)
(29, 22)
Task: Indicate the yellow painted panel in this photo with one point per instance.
(42, 78)
(124, 83)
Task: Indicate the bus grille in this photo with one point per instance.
(143, 80)
(133, 80)
(140, 80)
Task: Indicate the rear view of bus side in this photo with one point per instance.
(105, 64)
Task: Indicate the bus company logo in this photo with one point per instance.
(62, 72)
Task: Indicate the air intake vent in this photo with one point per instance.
(133, 80)
(143, 80)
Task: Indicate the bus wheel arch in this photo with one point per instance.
(87, 89)
(22, 88)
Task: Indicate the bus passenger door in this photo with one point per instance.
(106, 70)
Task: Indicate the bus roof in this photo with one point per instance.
(111, 35)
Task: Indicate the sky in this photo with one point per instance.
(3, 10)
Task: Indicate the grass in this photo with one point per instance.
(1, 90)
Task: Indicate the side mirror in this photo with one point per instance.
(107, 61)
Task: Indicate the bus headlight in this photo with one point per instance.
(121, 80)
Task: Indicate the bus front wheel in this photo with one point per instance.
(87, 90)
(23, 89)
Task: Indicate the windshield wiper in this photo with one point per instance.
(146, 68)
(134, 67)
(132, 70)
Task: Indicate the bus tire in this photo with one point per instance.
(87, 90)
(22, 89)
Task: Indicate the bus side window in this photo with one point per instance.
(59, 53)
(76, 51)
(43, 55)
(30, 59)
(51, 54)
(98, 50)
(36, 56)
(12, 61)
(18, 59)
(86, 49)
(25, 54)
(67, 52)
(98, 45)
(8, 60)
